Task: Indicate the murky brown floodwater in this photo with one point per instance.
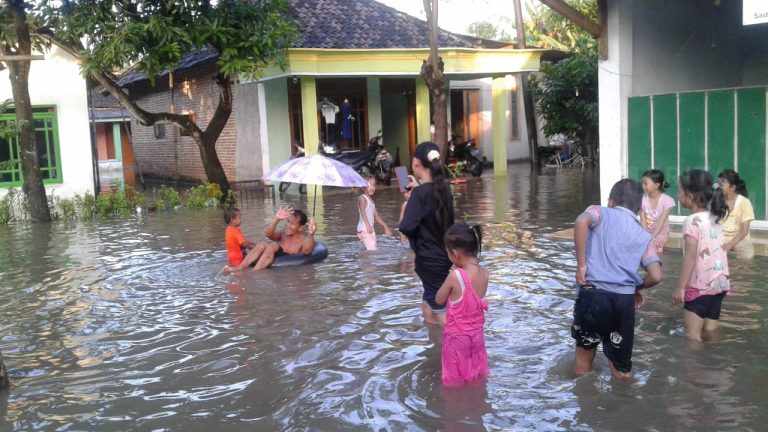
(125, 325)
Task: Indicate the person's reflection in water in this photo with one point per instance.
(464, 407)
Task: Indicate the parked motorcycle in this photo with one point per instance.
(375, 160)
(466, 156)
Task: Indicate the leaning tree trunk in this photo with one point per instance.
(214, 171)
(33, 187)
(206, 141)
(432, 72)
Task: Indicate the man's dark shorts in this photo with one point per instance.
(706, 306)
(608, 318)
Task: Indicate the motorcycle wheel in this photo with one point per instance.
(284, 187)
(475, 167)
(302, 189)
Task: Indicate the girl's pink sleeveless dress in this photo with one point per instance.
(464, 356)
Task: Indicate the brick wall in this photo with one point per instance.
(176, 156)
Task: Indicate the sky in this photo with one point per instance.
(457, 15)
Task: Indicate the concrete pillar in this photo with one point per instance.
(117, 140)
(500, 124)
(309, 121)
(374, 106)
(423, 115)
(614, 89)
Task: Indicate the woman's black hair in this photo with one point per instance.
(441, 191)
(657, 176)
(464, 237)
(230, 214)
(733, 178)
(704, 192)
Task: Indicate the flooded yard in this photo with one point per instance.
(126, 325)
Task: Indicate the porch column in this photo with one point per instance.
(117, 141)
(374, 106)
(614, 79)
(423, 116)
(309, 115)
(500, 124)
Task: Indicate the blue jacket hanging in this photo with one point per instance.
(346, 123)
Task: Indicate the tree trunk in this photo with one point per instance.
(432, 72)
(528, 107)
(33, 187)
(5, 382)
(211, 163)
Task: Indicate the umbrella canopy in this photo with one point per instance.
(317, 170)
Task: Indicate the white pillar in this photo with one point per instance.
(374, 106)
(614, 88)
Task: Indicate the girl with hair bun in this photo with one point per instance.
(656, 208)
(427, 217)
(741, 214)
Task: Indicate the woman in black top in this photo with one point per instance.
(428, 215)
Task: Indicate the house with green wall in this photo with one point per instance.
(352, 72)
(683, 85)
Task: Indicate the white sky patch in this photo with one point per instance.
(457, 15)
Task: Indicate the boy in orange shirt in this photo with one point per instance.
(237, 245)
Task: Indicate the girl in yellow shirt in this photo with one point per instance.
(740, 215)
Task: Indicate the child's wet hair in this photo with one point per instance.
(733, 178)
(464, 237)
(301, 216)
(704, 192)
(627, 193)
(230, 214)
(656, 176)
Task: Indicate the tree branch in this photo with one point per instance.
(566, 10)
(223, 110)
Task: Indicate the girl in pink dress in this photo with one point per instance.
(656, 208)
(464, 356)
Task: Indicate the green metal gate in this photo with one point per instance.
(713, 130)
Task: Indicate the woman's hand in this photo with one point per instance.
(412, 182)
(679, 296)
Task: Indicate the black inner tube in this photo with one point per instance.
(319, 253)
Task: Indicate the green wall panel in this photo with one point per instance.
(751, 145)
(665, 138)
(639, 136)
(720, 119)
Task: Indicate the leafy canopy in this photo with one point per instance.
(154, 35)
(548, 29)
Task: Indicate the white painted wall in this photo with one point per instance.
(517, 149)
(57, 81)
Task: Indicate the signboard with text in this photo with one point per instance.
(755, 12)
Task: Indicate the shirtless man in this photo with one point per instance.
(297, 237)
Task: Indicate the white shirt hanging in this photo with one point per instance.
(329, 110)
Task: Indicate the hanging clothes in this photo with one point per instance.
(329, 110)
(346, 120)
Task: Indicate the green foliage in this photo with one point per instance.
(118, 203)
(85, 206)
(488, 30)
(13, 207)
(566, 97)
(167, 198)
(204, 196)
(65, 209)
(154, 35)
(546, 28)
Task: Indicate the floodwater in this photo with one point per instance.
(125, 325)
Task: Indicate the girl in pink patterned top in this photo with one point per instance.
(656, 208)
(704, 278)
(464, 356)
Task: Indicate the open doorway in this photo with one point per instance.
(465, 114)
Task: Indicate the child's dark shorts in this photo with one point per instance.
(603, 316)
(706, 306)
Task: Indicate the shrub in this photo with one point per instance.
(65, 209)
(167, 198)
(204, 196)
(85, 206)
